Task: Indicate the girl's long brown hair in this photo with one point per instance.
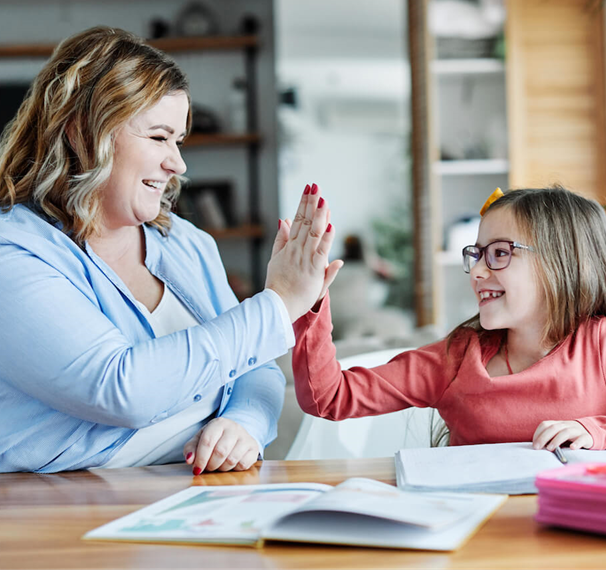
(57, 152)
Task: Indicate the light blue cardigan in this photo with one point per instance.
(80, 368)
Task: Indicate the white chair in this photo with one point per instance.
(368, 437)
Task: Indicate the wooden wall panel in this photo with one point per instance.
(555, 95)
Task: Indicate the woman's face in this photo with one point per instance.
(146, 156)
(510, 298)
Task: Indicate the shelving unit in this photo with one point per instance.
(221, 140)
(471, 167)
(468, 98)
(459, 67)
(192, 44)
(244, 231)
(252, 231)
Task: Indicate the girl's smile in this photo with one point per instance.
(487, 296)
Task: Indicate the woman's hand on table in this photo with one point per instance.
(299, 271)
(221, 445)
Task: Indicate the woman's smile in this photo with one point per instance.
(155, 185)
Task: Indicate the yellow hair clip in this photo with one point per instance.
(494, 196)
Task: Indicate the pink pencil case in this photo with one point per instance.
(573, 496)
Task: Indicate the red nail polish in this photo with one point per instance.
(197, 471)
(320, 202)
(279, 224)
(306, 191)
(189, 455)
(329, 227)
(314, 188)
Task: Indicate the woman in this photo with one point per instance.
(123, 341)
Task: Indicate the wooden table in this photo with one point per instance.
(43, 517)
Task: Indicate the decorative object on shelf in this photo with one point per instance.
(11, 97)
(238, 118)
(196, 19)
(466, 146)
(159, 28)
(204, 120)
(466, 29)
(249, 25)
(462, 233)
(208, 211)
(288, 97)
(208, 204)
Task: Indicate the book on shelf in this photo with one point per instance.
(509, 468)
(573, 496)
(358, 512)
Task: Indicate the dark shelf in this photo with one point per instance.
(194, 44)
(244, 231)
(205, 43)
(221, 140)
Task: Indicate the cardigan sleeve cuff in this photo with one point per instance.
(288, 327)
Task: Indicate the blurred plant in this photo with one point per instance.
(394, 245)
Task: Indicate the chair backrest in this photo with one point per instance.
(368, 437)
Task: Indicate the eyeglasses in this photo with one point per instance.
(497, 254)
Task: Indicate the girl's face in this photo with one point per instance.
(146, 157)
(510, 298)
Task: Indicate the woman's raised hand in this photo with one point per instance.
(299, 271)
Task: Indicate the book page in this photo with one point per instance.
(581, 455)
(455, 466)
(380, 500)
(335, 527)
(221, 514)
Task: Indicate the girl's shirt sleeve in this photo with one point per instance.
(414, 378)
(596, 424)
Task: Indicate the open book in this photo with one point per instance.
(358, 512)
(498, 468)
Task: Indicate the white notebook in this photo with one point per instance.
(497, 468)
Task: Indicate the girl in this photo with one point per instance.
(530, 366)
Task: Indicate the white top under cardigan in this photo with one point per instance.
(163, 442)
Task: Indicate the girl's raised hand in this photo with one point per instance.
(299, 271)
(553, 433)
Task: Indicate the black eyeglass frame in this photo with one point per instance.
(482, 252)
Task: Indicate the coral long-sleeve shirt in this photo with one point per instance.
(567, 384)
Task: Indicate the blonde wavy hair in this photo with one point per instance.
(57, 152)
(568, 233)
